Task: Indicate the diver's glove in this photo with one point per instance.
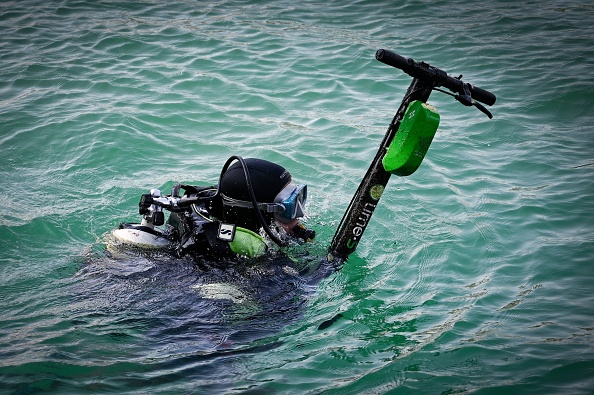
(303, 233)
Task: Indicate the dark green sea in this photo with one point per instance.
(474, 275)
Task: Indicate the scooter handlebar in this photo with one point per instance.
(438, 77)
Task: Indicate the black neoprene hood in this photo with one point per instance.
(267, 179)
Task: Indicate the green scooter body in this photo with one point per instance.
(412, 141)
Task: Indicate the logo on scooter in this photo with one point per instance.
(376, 191)
(362, 222)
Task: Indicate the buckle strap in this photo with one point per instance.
(266, 207)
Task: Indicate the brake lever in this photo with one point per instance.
(483, 109)
(468, 101)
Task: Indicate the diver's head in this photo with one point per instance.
(276, 196)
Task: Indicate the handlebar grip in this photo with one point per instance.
(393, 59)
(482, 95)
(440, 77)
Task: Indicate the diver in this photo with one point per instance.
(253, 197)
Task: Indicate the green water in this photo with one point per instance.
(474, 275)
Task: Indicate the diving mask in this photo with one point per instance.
(292, 198)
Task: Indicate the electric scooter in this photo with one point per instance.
(405, 143)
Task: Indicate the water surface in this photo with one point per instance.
(474, 275)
